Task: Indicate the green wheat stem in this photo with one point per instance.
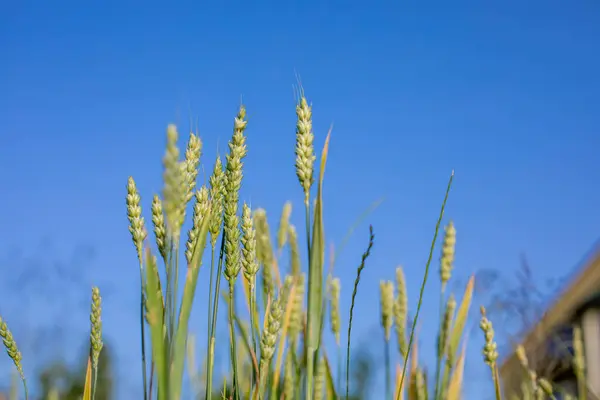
(310, 354)
(388, 370)
(143, 339)
(210, 294)
(354, 292)
(440, 355)
(236, 382)
(211, 348)
(422, 291)
(252, 321)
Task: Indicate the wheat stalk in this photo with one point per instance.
(13, 352)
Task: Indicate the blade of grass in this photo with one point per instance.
(189, 290)
(421, 293)
(87, 386)
(329, 383)
(282, 340)
(315, 277)
(455, 386)
(156, 320)
(356, 282)
(244, 334)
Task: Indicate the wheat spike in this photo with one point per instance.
(175, 188)
(386, 302)
(334, 308)
(233, 183)
(305, 151)
(447, 258)
(96, 326)
(134, 214)
(160, 230)
(199, 214)
(217, 191)
(401, 312)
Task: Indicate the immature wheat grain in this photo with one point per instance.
(96, 326)
(447, 259)
(334, 308)
(200, 210)
(233, 183)
(305, 151)
(295, 323)
(192, 159)
(294, 251)
(217, 191)
(249, 262)
(160, 230)
(95, 334)
(444, 333)
(289, 377)
(282, 232)
(138, 233)
(319, 379)
(134, 214)
(401, 312)
(175, 188)
(269, 339)
(386, 302)
(264, 250)
(490, 352)
(12, 350)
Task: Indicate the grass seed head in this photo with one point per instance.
(490, 352)
(217, 191)
(96, 326)
(295, 322)
(295, 264)
(282, 233)
(264, 249)
(289, 377)
(447, 259)
(305, 150)
(401, 312)
(134, 214)
(272, 328)
(11, 347)
(386, 301)
(199, 214)
(334, 308)
(160, 230)
(233, 183)
(249, 262)
(444, 333)
(319, 379)
(175, 187)
(192, 160)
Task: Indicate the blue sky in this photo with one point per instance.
(506, 95)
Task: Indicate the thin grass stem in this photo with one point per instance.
(425, 276)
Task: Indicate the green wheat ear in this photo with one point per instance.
(13, 352)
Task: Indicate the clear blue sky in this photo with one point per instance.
(507, 95)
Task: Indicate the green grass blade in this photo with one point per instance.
(460, 321)
(425, 276)
(189, 289)
(156, 320)
(315, 277)
(354, 292)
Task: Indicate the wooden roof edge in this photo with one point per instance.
(552, 316)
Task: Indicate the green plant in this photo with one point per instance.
(276, 346)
